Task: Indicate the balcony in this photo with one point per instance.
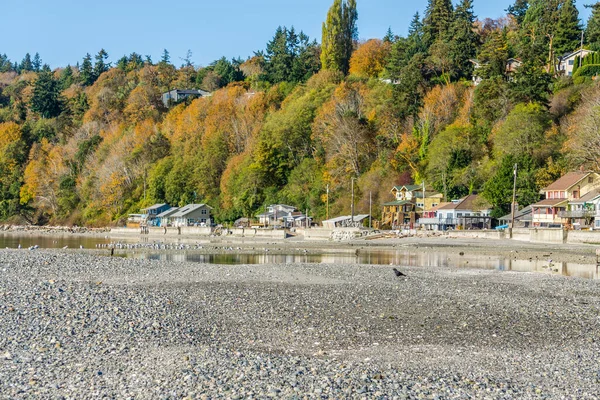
(577, 214)
(438, 221)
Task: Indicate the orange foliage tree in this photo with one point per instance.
(369, 60)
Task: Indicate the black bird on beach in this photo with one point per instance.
(398, 273)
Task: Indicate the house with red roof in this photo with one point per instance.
(554, 210)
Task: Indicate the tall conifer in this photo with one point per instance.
(339, 33)
(438, 19)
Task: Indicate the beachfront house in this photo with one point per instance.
(553, 210)
(566, 63)
(582, 212)
(470, 212)
(163, 217)
(409, 204)
(191, 215)
(347, 221)
(177, 95)
(522, 218)
(282, 215)
(151, 213)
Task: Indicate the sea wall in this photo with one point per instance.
(547, 235)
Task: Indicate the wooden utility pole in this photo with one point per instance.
(327, 212)
(581, 48)
(512, 215)
(370, 207)
(352, 205)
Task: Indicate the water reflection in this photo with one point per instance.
(386, 257)
(51, 241)
(363, 256)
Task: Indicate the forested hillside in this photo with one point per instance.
(90, 143)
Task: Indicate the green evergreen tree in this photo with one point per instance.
(36, 64)
(518, 10)
(389, 36)
(26, 64)
(5, 64)
(101, 66)
(166, 58)
(438, 20)
(278, 57)
(592, 29)
(465, 41)
(86, 73)
(339, 34)
(66, 77)
(350, 33)
(568, 29)
(46, 98)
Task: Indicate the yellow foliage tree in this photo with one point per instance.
(369, 59)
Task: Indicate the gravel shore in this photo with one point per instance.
(76, 325)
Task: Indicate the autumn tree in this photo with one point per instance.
(370, 58)
(12, 157)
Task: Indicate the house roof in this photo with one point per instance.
(398, 203)
(471, 202)
(155, 206)
(587, 197)
(550, 203)
(574, 53)
(523, 214)
(567, 181)
(410, 188)
(348, 217)
(185, 210)
(439, 206)
(167, 213)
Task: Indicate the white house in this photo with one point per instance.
(566, 63)
(471, 212)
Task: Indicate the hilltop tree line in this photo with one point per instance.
(92, 142)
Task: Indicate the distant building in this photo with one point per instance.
(471, 212)
(512, 64)
(346, 221)
(553, 210)
(523, 218)
(566, 63)
(151, 213)
(409, 204)
(190, 215)
(175, 96)
(283, 215)
(163, 217)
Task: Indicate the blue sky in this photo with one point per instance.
(63, 31)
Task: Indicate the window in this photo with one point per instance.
(571, 62)
(203, 212)
(590, 180)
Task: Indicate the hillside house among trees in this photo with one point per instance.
(566, 63)
(176, 96)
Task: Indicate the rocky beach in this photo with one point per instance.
(82, 325)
